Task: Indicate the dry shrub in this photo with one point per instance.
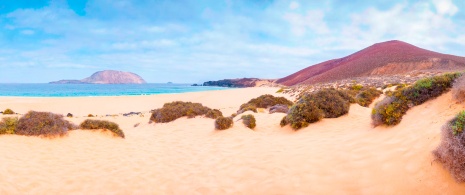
(102, 124)
(279, 108)
(458, 89)
(8, 125)
(302, 114)
(451, 151)
(90, 115)
(174, 110)
(222, 123)
(43, 124)
(263, 101)
(8, 111)
(367, 96)
(214, 113)
(391, 111)
(249, 121)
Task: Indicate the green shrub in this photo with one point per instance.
(214, 113)
(458, 89)
(391, 112)
(8, 125)
(249, 121)
(174, 110)
(451, 151)
(43, 124)
(222, 123)
(102, 124)
(8, 111)
(310, 108)
(367, 96)
(356, 87)
(247, 107)
(280, 90)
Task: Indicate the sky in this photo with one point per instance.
(192, 41)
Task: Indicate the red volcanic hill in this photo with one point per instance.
(386, 58)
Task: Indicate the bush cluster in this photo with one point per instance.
(8, 111)
(102, 124)
(451, 151)
(263, 101)
(43, 124)
(310, 108)
(367, 96)
(249, 121)
(8, 125)
(222, 123)
(174, 110)
(391, 111)
(458, 89)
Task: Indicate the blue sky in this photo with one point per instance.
(191, 41)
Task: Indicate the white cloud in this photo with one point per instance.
(445, 7)
(313, 20)
(294, 5)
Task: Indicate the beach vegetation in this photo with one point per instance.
(367, 96)
(263, 101)
(249, 121)
(391, 110)
(458, 89)
(280, 90)
(174, 110)
(43, 124)
(8, 125)
(222, 123)
(8, 111)
(451, 151)
(90, 115)
(102, 124)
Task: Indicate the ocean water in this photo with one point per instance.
(85, 90)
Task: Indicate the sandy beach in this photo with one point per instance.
(345, 155)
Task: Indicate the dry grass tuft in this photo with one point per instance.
(249, 121)
(222, 123)
(174, 110)
(102, 124)
(8, 111)
(43, 124)
(8, 125)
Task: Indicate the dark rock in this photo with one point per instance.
(132, 113)
(279, 108)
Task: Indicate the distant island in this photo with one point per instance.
(239, 83)
(107, 77)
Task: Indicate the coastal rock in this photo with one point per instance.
(107, 77)
(238, 83)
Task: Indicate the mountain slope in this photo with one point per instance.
(386, 58)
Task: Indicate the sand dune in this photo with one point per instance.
(335, 156)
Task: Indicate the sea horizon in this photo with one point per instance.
(97, 90)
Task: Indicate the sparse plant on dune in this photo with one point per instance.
(102, 124)
(451, 151)
(249, 121)
(174, 110)
(222, 123)
(43, 124)
(367, 96)
(8, 125)
(263, 101)
(391, 111)
(8, 111)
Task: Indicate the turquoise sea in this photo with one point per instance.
(85, 90)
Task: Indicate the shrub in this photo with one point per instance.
(367, 96)
(249, 121)
(90, 115)
(279, 108)
(263, 101)
(356, 87)
(310, 108)
(174, 110)
(391, 112)
(284, 121)
(44, 124)
(222, 123)
(8, 111)
(247, 107)
(102, 124)
(214, 113)
(280, 90)
(8, 125)
(69, 115)
(451, 151)
(458, 89)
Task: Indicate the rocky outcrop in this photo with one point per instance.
(238, 83)
(107, 77)
(381, 59)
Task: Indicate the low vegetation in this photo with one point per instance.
(263, 101)
(102, 124)
(90, 115)
(222, 123)
(174, 110)
(451, 151)
(8, 125)
(366, 96)
(8, 111)
(458, 89)
(312, 107)
(249, 121)
(391, 110)
(43, 124)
